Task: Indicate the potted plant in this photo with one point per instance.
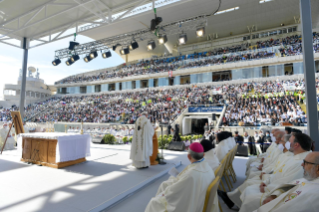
(125, 140)
(109, 139)
(130, 139)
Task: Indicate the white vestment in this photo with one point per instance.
(235, 195)
(211, 159)
(302, 196)
(270, 159)
(281, 159)
(222, 149)
(142, 143)
(184, 193)
(259, 157)
(252, 198)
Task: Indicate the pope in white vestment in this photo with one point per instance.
(185, 192)
(142, 142)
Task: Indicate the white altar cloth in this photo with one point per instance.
(70, 146)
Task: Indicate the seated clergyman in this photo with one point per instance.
(185, 192)
(298, 195)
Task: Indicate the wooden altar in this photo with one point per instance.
(43, 152)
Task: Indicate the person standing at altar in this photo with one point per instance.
(142, 142)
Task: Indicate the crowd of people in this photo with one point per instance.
(164, 105)
(290, 46)
(252, 103)
(270, 104)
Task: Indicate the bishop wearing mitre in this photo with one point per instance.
(142, 142)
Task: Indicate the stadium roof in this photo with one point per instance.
(45, 21)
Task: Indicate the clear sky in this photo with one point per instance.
(41, 57)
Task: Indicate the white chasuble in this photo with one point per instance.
(142, 143)
(282, 159)
(259, 157)
(252, 198)
(184, 193)
(212, 159)
(302, 196)
(222, 149)
(270, 159)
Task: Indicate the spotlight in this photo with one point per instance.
(87, 59)
(56, 61)
(182, 39)
(200, 32)
(125, 51)
(133, 45)
(162, 39)
(93, 54)
(151, 45)
(74, 58)
(106, 54)
(73, 45)
(69, 62)
(282, 24)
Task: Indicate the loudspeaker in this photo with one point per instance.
(242, 151)
(214, 117)
(176, 146)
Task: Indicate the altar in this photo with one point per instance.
(56, 150)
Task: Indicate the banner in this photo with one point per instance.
(211, 109)
(170, 73)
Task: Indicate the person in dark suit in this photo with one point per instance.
(267, 141)
(238, 138)
(251, 143)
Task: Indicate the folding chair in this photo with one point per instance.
(211, 194)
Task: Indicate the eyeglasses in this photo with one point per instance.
(305, 162)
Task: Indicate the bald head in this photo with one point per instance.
(279, 135)
(311, 166)
(274, 130)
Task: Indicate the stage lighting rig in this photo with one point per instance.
(74, 58)
(106, 54)
(69, 62)
(182, 39)
(200, 32)
(125, 51)
(162, 39)
(93, 54)
(151, 45)
(133, 45)
(87, 59)
(56, 61)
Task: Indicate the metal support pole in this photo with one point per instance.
(24, 77)
(309, 71)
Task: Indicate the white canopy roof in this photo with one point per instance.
(44, 21)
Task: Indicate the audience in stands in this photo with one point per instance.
(289, 46)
